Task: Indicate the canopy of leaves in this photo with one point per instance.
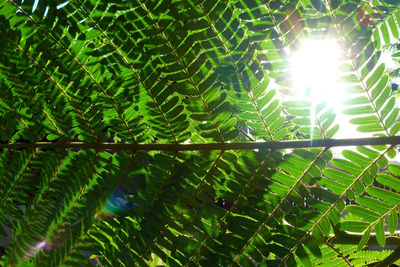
(191, 72)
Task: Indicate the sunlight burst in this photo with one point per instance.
(315, 68)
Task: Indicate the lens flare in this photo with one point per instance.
(119, 203)
(35, 249)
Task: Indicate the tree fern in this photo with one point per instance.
(146, 133)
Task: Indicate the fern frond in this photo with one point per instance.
(145, 133)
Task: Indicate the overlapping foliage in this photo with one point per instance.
(174, 72)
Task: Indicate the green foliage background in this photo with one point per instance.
(174, 72)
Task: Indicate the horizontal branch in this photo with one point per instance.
(346, 238)
(392, 140)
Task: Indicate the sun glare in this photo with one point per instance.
(315, 71)
(315, 74)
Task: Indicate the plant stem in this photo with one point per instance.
(392, 140)
(344, 238)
